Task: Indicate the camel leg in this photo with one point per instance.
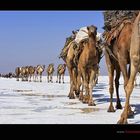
(123, 67)
(129, 88)
(79, 85)
(127, 108)
(71, 93)
(22, 78)
(63, 77)
(111, 89)
(75, 81)
(81, 93)
(30, 77)
(57, 78)
(118, 103)
(86, 97)
(110, 69)
(51, 78)
(91, 84)
(17, 77)
(34, 78)
(48, 78)
(40, 77)
(27, 77)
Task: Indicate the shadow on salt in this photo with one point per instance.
(84, 110)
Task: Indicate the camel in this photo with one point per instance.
(18, 72)
(68, 55)
(61, 72)
(88, 65)
(39, 71)
(117, 50)
(24, 73)
(50, 71)
(134, 64)
(31, 71)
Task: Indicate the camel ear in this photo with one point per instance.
(96, 28)
(87, 27)
(73, 32)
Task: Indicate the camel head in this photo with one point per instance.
(64, 65)
(92, 30)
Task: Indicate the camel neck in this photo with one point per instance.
(92, 40)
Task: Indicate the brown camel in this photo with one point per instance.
(18, 72)
(39, 71)
(61, 72)
(117, 58)
(134, 64)
(68, 57)
(50, 71)
(88, 65)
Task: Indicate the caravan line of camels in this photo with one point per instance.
(121, 48)
(32, 73)
(82, 54)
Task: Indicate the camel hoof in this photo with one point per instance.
(71, 97)
(63, 82)
(91, 104)
(118, 106)
(122, 121)
(111, 109)
(85, 101)
(80, 98)
(77, 94)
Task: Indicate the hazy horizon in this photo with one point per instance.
(37, 37)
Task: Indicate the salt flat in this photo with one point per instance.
(47, 103)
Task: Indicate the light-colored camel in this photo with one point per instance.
(31, 71)
(134, 64)
(50, 71)
(39, 70)
(24, 73)
(88, 65)
(61, 72)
